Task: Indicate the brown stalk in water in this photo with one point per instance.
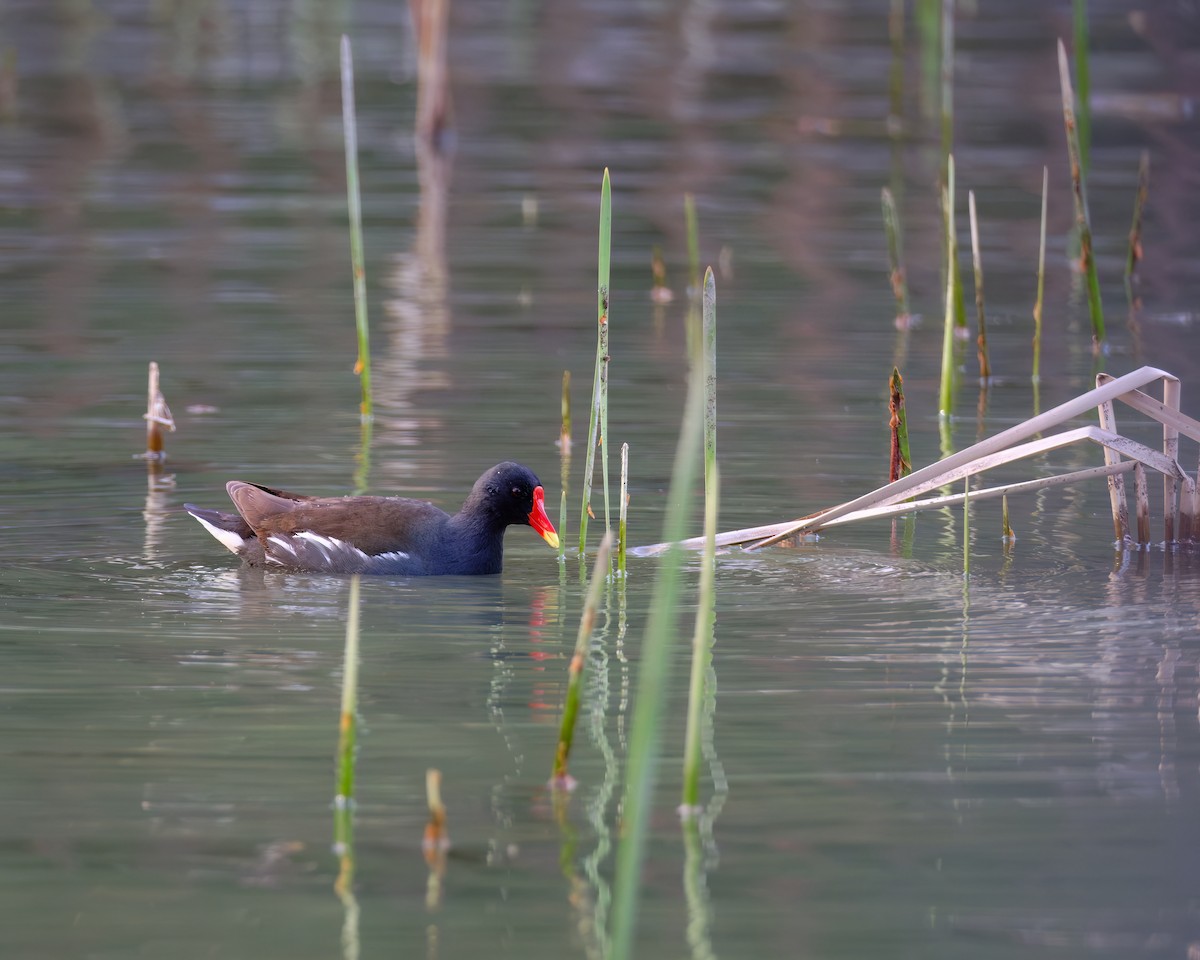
(157, 416)
(900, 461)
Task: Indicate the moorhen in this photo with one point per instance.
(388, 535)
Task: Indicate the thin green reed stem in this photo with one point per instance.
(583, 640)
(946, 397)
(985, 366)
(1083, 81)
(702, 641)
(624, 511)
(1041, 283)
(1082, 218)
(350, 136)
(564, 460)
(947, 75)
(661, 624)
(704, 617)
(599, 414)
(967, 527)
(710, 381)
(604, 431)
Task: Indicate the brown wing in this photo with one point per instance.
(256, 503)
(372, 524)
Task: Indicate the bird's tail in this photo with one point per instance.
(231, 530)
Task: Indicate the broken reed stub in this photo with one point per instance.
(436, 838)
(157, 416)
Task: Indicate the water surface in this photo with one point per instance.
(901, 762)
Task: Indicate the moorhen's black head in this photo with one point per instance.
(512, 493)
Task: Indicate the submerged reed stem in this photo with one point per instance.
(343, 803)
(435, 828)
(702, 637)
(702, 643)
(561, 779)
(350, 135)
(966, 527)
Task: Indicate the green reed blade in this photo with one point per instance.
(946, 395)
(1041, 283)
(661, 623)
(1082, 219)
(947, 77)
(1083, 81)
(710, 379)
(350, 135)
(598, 422)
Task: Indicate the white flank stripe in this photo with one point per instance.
(282, 544)
(230, 540)
(330, 548)
(324, 544)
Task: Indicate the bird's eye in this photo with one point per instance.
(516, 491)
